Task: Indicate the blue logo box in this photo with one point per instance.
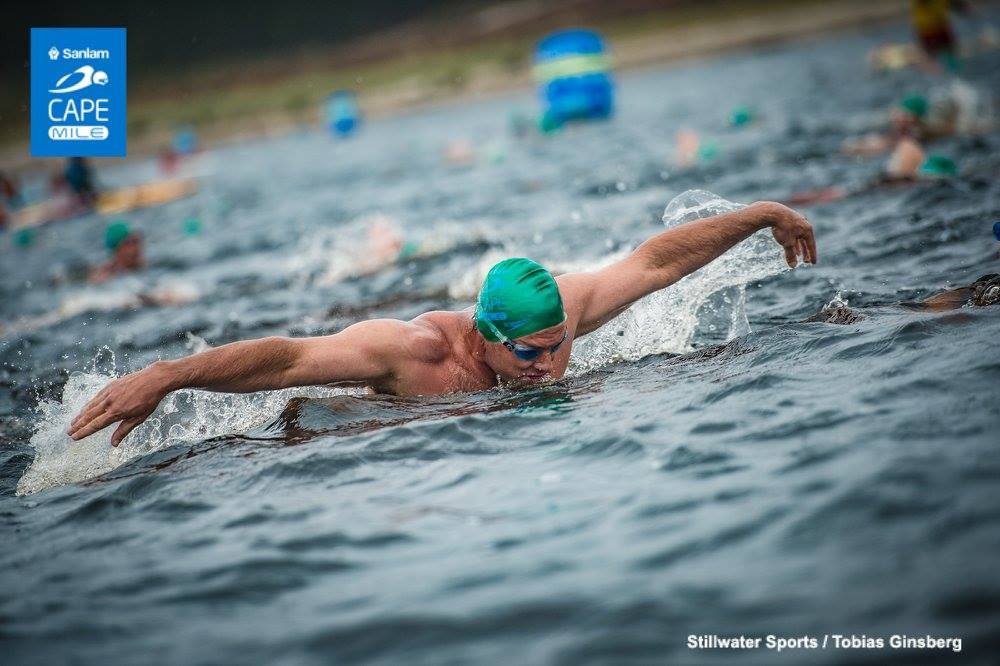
(78, 92)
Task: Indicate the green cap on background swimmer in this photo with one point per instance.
(939, 165)
(519, 297)
(115, 234)
(915, 104)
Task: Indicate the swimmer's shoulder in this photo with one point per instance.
(430, 336)
(575, 290)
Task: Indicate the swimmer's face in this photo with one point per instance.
(514, 371)
(903, 122)
(129, 252)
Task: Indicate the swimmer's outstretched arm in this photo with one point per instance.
(667, 257)
(364, 353)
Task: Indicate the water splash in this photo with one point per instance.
(183, 417)
(666, 321)
(838, 301)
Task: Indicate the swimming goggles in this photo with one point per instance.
(524, 352)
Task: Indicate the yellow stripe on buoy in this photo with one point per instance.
(577, 65)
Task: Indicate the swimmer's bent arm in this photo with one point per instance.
(669, 256)
(360, 354)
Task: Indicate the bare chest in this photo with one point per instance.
(448, 376)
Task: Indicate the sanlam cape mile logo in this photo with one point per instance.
(78, 92)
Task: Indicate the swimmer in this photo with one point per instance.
(460, 153)
(914, 117)
(10, 198)
(982, 293)
(384, 247)
(907, 164)
(168, 160)
(80, 177)
(520, 332)
(385, 243)
(126, 254)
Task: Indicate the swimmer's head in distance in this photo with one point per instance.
(115, 234)
(939, 165)
(518, 297)
(915, 104)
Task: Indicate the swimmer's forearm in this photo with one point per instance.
(239, 367)
(684, 249)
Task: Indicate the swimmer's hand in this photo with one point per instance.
(365, 354)
(794, 233)
(129, 399)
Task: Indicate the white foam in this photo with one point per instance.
(183, 417)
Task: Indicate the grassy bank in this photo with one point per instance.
(230, 101)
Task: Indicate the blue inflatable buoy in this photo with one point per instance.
(572, 70)
(342, 113)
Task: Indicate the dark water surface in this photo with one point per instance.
(805, 478)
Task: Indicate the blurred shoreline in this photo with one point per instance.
(246, 101)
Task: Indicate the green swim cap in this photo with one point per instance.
(519, 297)
(115, 234)
(192, 226)
(938, 165)
(708, 150)
(915, 104)
(24, 237)
(409, 249)
(740, 116)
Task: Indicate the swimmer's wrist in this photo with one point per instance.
(166, 374)
(768, 213)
